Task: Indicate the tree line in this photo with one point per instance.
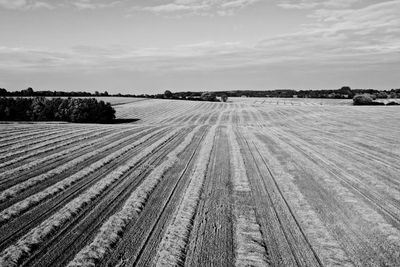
(343, 93)
(30, 92)
(87, 110)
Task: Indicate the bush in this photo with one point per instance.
(392, 103)
(366, 99)
(56, 109)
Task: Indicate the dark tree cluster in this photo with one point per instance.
(30, 92)
(194, 96)
(87, 110)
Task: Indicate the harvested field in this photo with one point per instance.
(250, 182)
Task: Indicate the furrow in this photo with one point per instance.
(142, 236)
(8, 173)
(172, 247)
(54, 133)
(79, 231)
(289, 244)
(250, 249)
(68, 141)
(23, 248)
(25, 204)
(109, 232)
(10, 192)
(211, 237)
(52, 141)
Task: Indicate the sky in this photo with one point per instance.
(149, 46)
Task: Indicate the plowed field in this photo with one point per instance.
(251, 182)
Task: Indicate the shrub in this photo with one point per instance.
(364, 99)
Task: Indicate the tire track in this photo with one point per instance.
(211, 238)
(108, 234)
(145, 230)
(82, 229)
(287, 243)
(173, 247)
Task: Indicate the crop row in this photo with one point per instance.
(53, 133)
(15, 136)
(109, 233)
(172, 245)
(60, 139)
(12, 191)
(25, 204)
(61, 153)
(13, 254)
(250, 247)
(67, 141)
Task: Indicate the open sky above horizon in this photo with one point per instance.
(148, 46)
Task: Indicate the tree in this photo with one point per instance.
(168, 94)
(382, 95)
(208, 96)
(346, 90)
(3, 92)
(38, 109)
(27, 92)
(224, 98)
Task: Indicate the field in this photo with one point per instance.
(251, 182)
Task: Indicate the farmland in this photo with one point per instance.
(251, 182)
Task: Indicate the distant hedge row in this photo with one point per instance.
(87, 110)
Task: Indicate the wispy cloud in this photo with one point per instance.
(308, 4)
(25, 4)
(47, 4)
(93, 4)
(200, 7)
(340, 32)
(197, 7)
(352, 35)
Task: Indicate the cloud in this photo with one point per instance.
(25, 4)
(173, 7)
(93, 4)
(197, 7)
(309, 4)
(47, 4)
(339, 39)
(369, 34)
(13, 4)
(178, 7)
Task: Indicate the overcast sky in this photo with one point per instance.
(148, 46)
